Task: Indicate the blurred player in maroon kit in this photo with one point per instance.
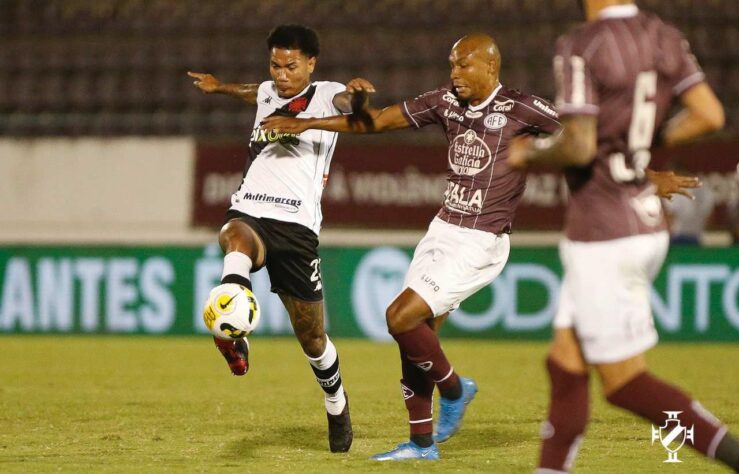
(467, 243)
(617, 77)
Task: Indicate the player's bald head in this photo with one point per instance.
(478, 44)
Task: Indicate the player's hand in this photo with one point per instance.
(281, 124)
(517, 152)
(668, 183)
(360, 84)
(205, 82)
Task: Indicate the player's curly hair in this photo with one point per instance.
(294, 37)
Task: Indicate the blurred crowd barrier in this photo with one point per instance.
(118, 67)
(173, 190)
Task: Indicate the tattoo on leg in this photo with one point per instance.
(307, 320)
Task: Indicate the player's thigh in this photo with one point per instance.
(565, 351)
(407, 311)
(451, 263)
(242, 233)
(606, 291)
(293, 263)
(615, 375)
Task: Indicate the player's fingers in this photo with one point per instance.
(198, 75)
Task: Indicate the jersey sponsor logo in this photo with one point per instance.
(473, 115)
(458, 198)
(290, 205)
(503, 105)
(267, 100)
(430, 281)
(468, 154)
(449, 97)
(545, 108)
(259, 135)
(452, 115)
(495, 121)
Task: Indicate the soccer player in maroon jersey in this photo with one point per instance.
(467, 243)
(616, 78)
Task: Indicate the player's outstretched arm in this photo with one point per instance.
(209, 84)
(575, 145)
(702, 114)
(370, 121)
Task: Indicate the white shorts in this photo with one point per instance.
(451, 263)
(605, 294)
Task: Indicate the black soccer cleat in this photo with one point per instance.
(340, 434)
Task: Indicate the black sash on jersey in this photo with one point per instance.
(291, 109)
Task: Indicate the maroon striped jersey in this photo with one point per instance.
(482, 190)
(626, 67)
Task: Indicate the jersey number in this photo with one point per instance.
(641, 131)
(316, 275)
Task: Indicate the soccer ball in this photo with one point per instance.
(231, 311)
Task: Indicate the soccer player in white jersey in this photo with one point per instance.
(275, 215)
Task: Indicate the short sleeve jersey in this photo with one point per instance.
(625, 68)
(286, 173)
(482, 190)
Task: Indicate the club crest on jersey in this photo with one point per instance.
(503, 105)
(259, 135)
(468, 154)
(495, 121)
(298, 105)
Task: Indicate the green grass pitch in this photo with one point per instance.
(146, 404)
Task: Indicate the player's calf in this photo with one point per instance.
(568, 415)
(649, 397)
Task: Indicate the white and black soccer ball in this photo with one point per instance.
(231, 312)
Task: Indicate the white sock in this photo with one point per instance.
(336, 401)
(236, 263)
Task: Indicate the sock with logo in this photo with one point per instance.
(650, 398)
(326, 369)
(418, 391)
(568, 415)
(422, 348)
(236, 268)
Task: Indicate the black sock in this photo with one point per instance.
(728, 452)
(423, 440)
(453, 392)
(238, 279)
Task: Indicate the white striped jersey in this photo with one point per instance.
(286, 173)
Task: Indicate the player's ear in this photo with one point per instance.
(311, 64)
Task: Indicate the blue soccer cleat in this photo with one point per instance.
(451, 412)
(408, 452)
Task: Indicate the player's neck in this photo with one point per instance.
(485, 95)
(594, 7)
